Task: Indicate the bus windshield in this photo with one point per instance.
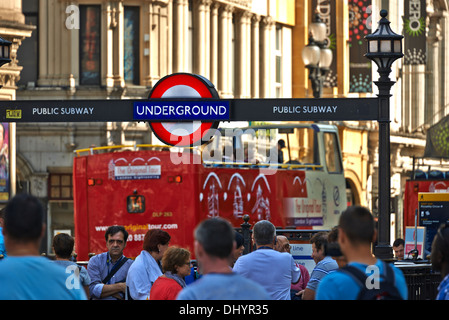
(264, 145)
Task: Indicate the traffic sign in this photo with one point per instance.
(183, 85)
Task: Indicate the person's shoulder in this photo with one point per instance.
(256, 290)
(243, 259)
(338, 275)
(337, 285)
(98, 257)
(129, 261)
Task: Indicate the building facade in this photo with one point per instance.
(118, 50)
(100, 49)
(14, 28)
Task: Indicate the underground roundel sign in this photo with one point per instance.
(186, 133)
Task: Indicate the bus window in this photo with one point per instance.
(301, 146)
(258, 146)
(333, 160)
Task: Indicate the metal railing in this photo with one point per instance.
(422, 281)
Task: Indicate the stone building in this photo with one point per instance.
(95, 49)
(100, 49)
(14, 28)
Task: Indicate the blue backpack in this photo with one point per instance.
(387, 289)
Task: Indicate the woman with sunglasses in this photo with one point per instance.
(440, 260)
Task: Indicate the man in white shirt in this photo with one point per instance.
(275, 271)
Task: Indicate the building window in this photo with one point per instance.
(278, 57)
(60, 186)
(90, 44)
(131, 46)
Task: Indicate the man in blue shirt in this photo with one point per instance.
(214, 244)
(101, 265)
(24, 274)
(355, 236)
(275, 271)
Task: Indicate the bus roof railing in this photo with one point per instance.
(134, 147)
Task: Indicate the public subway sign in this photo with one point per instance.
(186, 109)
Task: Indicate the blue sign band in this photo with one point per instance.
(181, 110)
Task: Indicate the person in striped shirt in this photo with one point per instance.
(324, 265)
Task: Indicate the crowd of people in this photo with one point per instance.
(345, 267)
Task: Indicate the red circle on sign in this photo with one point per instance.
(183, 85)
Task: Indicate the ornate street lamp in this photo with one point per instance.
(384, 47)
(317, 56)
(5, 51)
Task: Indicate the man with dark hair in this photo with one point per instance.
(398, 248)
(274, 270)
(380, 280)
(108, 270)
(63, 244)
(240, 247)
(214, 244)
(324, 264)
(24, 274)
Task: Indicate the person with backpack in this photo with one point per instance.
(364, 277)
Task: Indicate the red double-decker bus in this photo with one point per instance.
(239, 172)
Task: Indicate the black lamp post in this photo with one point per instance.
(384, 47)
(5, 51)
(317, 56)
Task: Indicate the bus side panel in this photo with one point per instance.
(168, 204)
(231, 193)
(80, 208)
(288, 198)
(328, 192)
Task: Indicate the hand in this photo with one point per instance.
(121, 286)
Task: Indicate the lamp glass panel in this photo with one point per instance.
(373, 46)
(397, 46)
(385, 46)
(379, 62)
(384, 31)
